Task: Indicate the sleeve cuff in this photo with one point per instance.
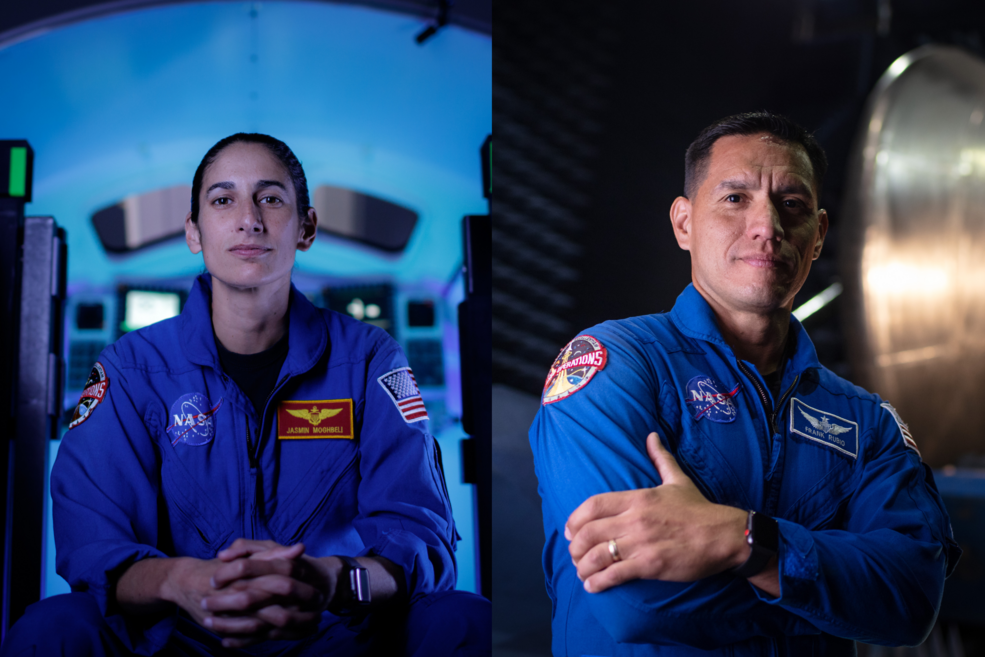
(141, 635)
(418, 561)
(797, 563)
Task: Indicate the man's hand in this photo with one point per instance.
(277, 588)
(669, 532)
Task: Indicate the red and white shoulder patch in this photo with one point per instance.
(904, 429)
(94, 392)
(574, 368)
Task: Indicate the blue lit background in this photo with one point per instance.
(129, 103)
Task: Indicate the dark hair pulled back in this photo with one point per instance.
(280, 150)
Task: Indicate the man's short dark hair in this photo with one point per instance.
(750, 123)
(279, 149)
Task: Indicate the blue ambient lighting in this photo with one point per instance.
(128, 103)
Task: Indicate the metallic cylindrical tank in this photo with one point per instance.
(913, 250)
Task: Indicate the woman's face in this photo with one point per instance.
(248, 228)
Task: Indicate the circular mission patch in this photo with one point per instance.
(574, 368)
(92, 394)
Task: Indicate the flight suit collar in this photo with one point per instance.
(693, 317)
(307, 333)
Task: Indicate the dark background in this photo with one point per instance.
(594, 105)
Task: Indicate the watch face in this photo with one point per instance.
(359, 581)
(765, 533)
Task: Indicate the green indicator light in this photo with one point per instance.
(18, 171)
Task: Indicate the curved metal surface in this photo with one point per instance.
(914, 249)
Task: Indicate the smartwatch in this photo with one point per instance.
(763, 536)
(356, 594)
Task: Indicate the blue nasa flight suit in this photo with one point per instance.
(865, 542)
(137, 479)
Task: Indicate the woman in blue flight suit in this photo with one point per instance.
(254, 472)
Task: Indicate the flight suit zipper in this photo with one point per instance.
(767, 405)
(263, 418)
(253, 447)
(773, 456)
(783, 399)
(771, 412)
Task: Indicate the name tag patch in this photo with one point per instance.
(319, 418)
(823, 427)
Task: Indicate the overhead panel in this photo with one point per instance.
(142, 220)
(364, 218)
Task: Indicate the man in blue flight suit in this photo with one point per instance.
(708, 486)
(257, 473)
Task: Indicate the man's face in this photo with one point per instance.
(753, 226)
(248, 227)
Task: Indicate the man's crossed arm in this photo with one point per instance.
(669, 532)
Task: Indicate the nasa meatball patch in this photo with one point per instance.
(92, 394)
(192, 419)
(574, 368)
(708, 399)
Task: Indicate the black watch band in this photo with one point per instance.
(354, 582)
(763, 536)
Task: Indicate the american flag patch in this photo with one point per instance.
(904, 429)
(402, 388)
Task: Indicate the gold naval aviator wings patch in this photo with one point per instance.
(318, 418)
(315, 415)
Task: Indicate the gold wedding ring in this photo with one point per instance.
(614, 550)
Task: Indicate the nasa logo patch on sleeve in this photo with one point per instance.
(93, 393)
(904, 429)
(574, 368)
